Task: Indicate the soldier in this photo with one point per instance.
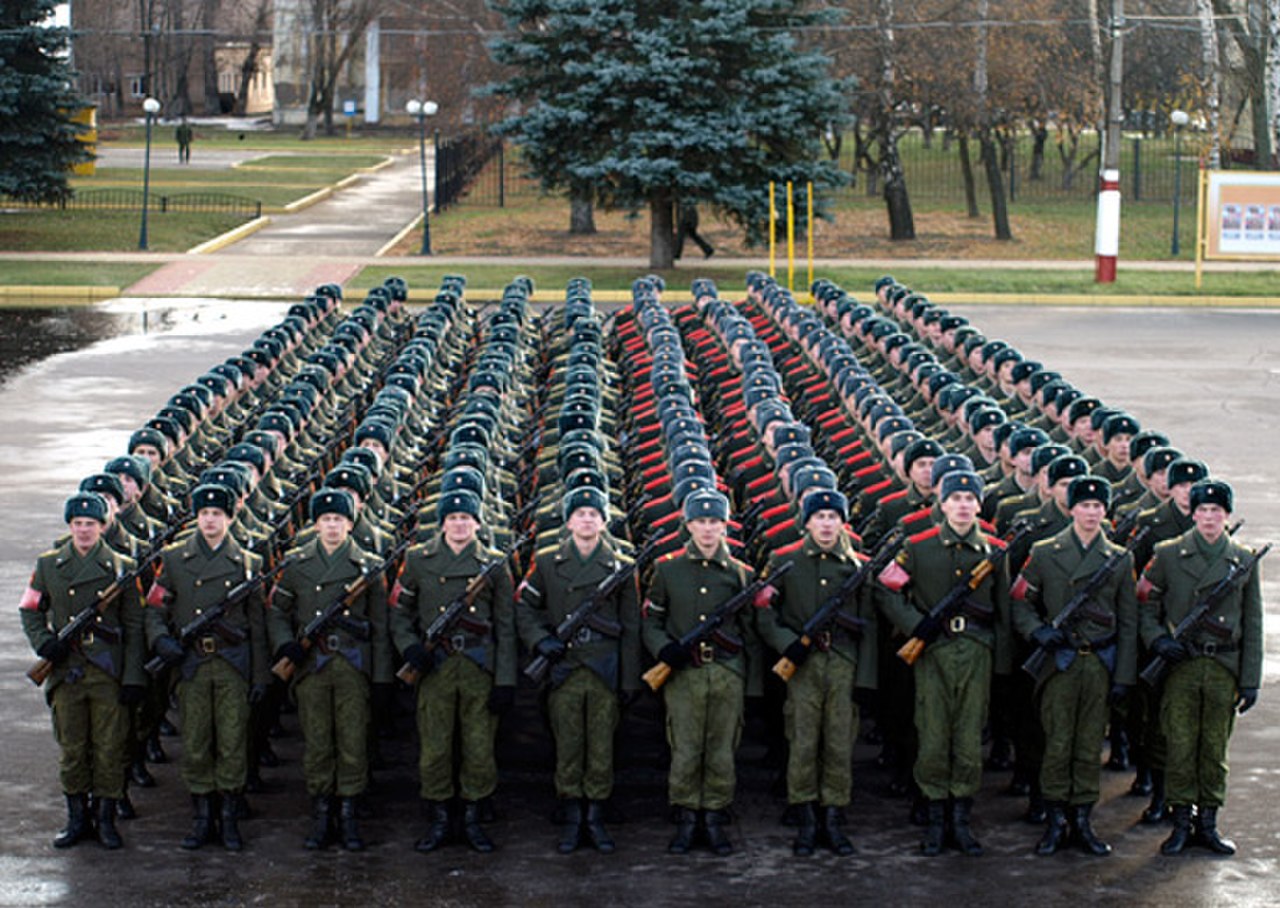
(96, 679)
(1095, 656)
(1212, 677)
(223, 672)
(468, 679)
(953, 675)
(591, 673)
(332, 676)
(704, 696)
(821, 720)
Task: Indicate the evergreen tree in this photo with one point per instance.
(38, 142)
(669, 101)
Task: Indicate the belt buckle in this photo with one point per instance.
(706, 652)
(958, 624)
(208, 645)
(87, 639)
(1209, 649)
(823, 641)
(458, 642)
(333, 642)
(583, 636)
(1084, 649)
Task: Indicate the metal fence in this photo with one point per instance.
(131, 200)
(460, 161)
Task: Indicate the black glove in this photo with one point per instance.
(927, 629)
(131, 694)
(1049, 637)
(293, 651)
(550, 647)
(627, 697)
(53, 650)
(1118, 693)
(416, 655)
(257, 693)
(796, 653)
(501, 699)
(168, 649)
(1248, 697)
(674, 655)
(1169, 649)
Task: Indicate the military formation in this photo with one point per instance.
(819, 513)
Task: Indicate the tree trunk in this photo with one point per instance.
(582, 221)
(662, 235)
(209, 57)
(1273, 71)
(995, 183)
(966, 170)
(901, 223)
(1040, 134)
(249, 68)
(1210, 80)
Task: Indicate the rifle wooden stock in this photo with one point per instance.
(784, 668)
(657, 676)
(910, 651)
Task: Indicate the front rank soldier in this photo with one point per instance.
(468, 678)
(589, 674)
(821, 719)
(95, 679)
(223, 671)
(1212, 676)
(333, 675)
(704, 696)
(1094, 656)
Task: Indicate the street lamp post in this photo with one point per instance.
(420, 110)
(151, 107)
(1179, 119)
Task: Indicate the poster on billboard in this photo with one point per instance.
(1238, 217)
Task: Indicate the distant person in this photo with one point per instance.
(687, 226)
(183, 135)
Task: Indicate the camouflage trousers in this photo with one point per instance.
(214, 707)
(953, 685)
(584, 715)
(333, 710)
(1198, 714)
(454, 697)
(704, 726)
(1073, 712)
(92, 730)
(821, 723)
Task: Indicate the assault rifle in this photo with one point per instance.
(832, 610)
(1038, 665)
(711, 629)
(585, 615)
(955, 600)
(1197, 618)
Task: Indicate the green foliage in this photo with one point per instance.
(701, 101)
(38, 143)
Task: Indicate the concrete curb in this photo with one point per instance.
(78, 293)
(307, 200)
(395, 240)
(231, 236)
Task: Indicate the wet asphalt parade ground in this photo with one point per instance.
(75, 383)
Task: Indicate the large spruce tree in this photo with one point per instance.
(38, 142)
(650, 104)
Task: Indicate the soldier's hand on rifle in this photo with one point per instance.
(1169, 649)
(927, 629)
(293, 651)
(1118, 693)
(550, 647)
(1049, 637)
(1248, 697)
(131, 694)
(501, 699)
(257, 693)
(416, 655)
(674, 655)
(52, 649)
(796, 653)
(168, 649)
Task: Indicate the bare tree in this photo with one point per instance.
(1210, 80)
(1273, 71)
(337, 31)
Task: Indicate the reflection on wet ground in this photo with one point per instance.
(31, 335)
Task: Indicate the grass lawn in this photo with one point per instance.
(73, 274)
(109, 231)
(133, 135)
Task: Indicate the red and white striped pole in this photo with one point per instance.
(1106, 245)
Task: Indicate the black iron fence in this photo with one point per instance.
(131, 200)
(459, 162)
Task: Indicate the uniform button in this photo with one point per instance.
(705, 563)
(702, 617)
(226, 583)
(822, 582)
(702, 590)
(199, 611)
(442, 608)
(959, 572)
(443, 580)
(318, 589)
(198, 582)
(71, 592)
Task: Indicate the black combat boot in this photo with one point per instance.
(935, 832)
(717, 838)
(124, 805)
(321, 807)
(155, 751)
(806, 831)
(472, 831)
(1056, 832)
(1142, 781)
(438, 830)
(201, 823)
(1206, 832)
(78, 825)
(1089, 841)
(1157, 810)
(107, 833)
(1036, 808)
(686, 827)
(1180, 838)
(1118, 761)
(348, 825)
(230, 819)
(141, 776)
(597, 835)
(570, 826)
(960, 829)
(833, 831)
